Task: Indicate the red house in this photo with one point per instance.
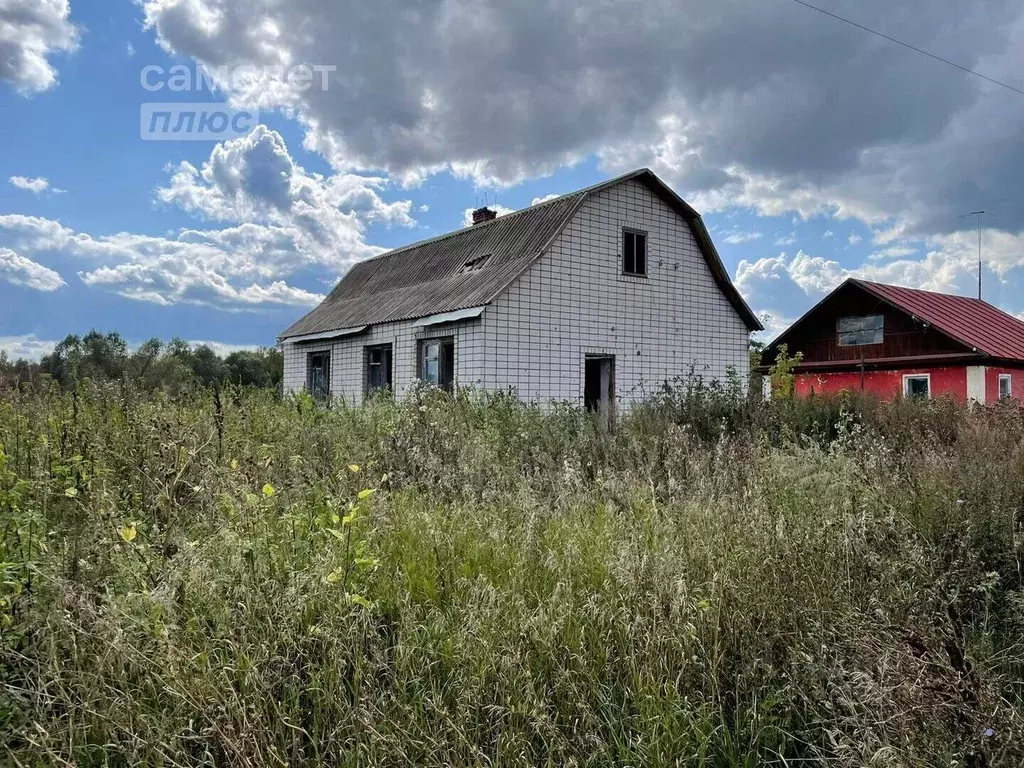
(894, 341)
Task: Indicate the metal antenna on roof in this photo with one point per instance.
(979, 214)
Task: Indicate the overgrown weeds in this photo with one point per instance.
(205, 580)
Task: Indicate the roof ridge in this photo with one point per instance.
(459, 231)
(924, 290)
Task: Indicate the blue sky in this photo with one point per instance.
(804, 174)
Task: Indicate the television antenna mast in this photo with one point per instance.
(979, 214)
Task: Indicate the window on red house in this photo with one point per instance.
(1005, 386)
(919, 385)
(857, 331)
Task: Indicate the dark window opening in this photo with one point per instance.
(318, 375)
(1005, 386)
(379, 368)
(437, 363)
(634, 252)
(917, 386)
(859, 331)
(475, 264)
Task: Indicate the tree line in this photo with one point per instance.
(152, 365)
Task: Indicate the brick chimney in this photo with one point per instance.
(484, 214)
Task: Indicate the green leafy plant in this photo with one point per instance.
(781, 374)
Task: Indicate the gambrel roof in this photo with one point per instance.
(430, 277)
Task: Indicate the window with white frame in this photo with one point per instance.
(1005, 386)
(437, 362)
(917, 385)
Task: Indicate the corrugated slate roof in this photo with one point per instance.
(973, 322)
(426, 278)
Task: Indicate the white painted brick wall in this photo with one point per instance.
(348, 356)
(572, 302)
(575, 300)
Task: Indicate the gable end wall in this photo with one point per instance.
(575, 301)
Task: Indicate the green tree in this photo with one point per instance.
(153, 365)
(63, 363)
(256, 368)
(104, 356)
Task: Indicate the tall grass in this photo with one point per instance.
(196, 581)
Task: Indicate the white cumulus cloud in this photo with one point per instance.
(22, 271)
(26, 346)
(31, 32)
(266, 217)
(544, 199)
(785, 286)
(769, 107)
(766, 105)
(36, 185)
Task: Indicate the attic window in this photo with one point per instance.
(860, 331)
(634, 252)
(475, 264)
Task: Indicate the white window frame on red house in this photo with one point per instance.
(1008, 378)
(908, 376)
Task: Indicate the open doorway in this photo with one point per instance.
(599, 387)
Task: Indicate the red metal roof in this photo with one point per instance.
(973, 322)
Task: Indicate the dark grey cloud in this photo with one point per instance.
(720, 95)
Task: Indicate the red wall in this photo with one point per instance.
(992, 383)
(950, 381)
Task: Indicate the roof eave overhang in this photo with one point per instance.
(449, 317)
(323, 335)
(881, 363)
(717, 266)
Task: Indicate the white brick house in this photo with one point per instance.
(598, 296)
